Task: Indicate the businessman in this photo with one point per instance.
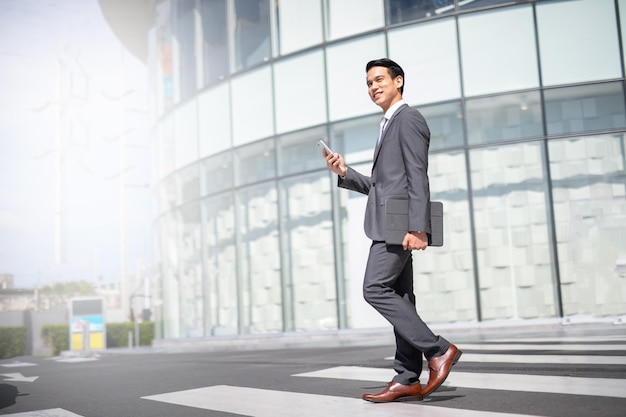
(400, 171)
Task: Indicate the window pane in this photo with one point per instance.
(220, 266)
(186, 125)
(498, 51)
(191, 313)
(252, 32)
(300, 24)
(452, 298)
(188, 184)
(508, 117)
(589, 181)
(445, 122)
(166, 146)
(578, 41)
(622, 24)
(296, 78)
(433, 74)
(254, 163)
(170, 261)
(217, 173)
(310, 262)
(260, 290)
(347, 86)
(185, 37)
(512, 241)
(298, 152)
(253, 117)
(399, 11)
(585, 109)
(214, 120)
(215, 40)
(343, 20)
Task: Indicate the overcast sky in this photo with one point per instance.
(43, 42)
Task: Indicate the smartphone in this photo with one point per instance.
(322, 145)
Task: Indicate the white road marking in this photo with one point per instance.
(540, 359)
(53, 412)
(17, 377)
(76, 360)
(266, 403)
(600, 387)
(523, 347)
(17, 364)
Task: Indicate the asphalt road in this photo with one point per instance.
(580, 373)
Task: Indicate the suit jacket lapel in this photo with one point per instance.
(387, 127)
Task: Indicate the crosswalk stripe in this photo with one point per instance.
(601, 387)
(567, 339)
(567, 347)
(267, 403)
(53, 412)
(543, 359)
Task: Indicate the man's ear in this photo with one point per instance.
(399, 81)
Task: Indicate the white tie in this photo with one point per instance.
(383, 122)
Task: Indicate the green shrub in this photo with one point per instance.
(57, 336)
(13, 341)
(117, 333)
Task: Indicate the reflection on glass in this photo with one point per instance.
(188, 184)
(343, 21)
(166, 162)
(345, 69)
(578, 41)
(258, 258)
(445, 122)
(512, 244)
(190, 279)
(220, 266)
(254, 163)
(252, 32)
(296, 78)
(170, 258)
(446, 276)
(474, 4)
(298, 152)
(588, 108)
(215, 40)
(399, 11)
(589, 183)
(498, 51)
(505, 117)
(253, 114)
(184, 32)
(307, 232)
(433, 74)
(217, 173)
(300, 24)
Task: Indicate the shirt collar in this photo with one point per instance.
(391, 110)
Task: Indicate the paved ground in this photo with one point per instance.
(556, 371)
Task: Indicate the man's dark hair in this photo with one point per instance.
(393, 68)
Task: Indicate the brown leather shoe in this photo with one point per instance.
(396, 392)
(440, 368)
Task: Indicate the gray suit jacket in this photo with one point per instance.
(400, 170)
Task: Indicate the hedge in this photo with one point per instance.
(57, 335)
(117, 333)
(13, 341)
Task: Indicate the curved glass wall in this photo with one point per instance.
(525, 103)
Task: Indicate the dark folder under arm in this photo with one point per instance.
(397, 222)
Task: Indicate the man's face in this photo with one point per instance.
(383, 90)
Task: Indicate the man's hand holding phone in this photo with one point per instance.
(334, 161)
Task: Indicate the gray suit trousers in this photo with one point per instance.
(388, 287)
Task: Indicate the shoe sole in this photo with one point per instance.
(454, 361)
(397, 400)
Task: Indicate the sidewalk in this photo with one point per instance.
(456, 332)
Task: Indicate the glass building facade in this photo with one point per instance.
(525, 102)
